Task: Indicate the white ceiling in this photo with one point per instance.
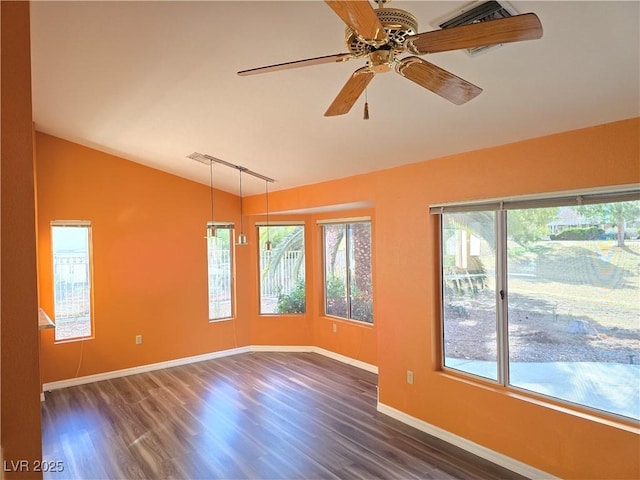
(155, 81)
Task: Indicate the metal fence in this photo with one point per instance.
(71, 288)
(279, 278)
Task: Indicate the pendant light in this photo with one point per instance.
(211, 228)
(242, 238)
(267, 244)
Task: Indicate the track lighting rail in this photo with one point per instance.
(208, 159)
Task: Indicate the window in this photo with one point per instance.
(347, 270)
(282, 284)
(220, 273)
(545, 296)
(71, 248)
(469, 285)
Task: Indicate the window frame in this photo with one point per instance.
(86, 224)
(231, 228)
(501, 207)
(261, 225)
(346, 222)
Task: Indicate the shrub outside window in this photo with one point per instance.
(347, 271)
(220, 273)
(282, 270)
(547, 299)
(72, 282)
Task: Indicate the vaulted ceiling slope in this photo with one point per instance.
(155, 81)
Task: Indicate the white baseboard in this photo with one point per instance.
(281, 348)
(141, 369)
(199, 358)
(483, 452)
(313, 349)
(348, 360)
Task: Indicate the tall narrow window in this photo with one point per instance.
(71, 248)
(220, 268)
(347, 271)
(544, 295)
(282, 280)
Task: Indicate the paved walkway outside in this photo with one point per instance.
(612, 387)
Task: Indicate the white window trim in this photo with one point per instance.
(565, 198)
(344, 220)
(71, 223)
(280, 223)
(78, 224)
(231, 227)
(304, 233)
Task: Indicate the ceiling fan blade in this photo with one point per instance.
(491, 32)
(339, 57)
(350, 92)
(438, 80)
(360, 17)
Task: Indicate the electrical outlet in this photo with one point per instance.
(335, 328)
(138, 339)
(409, 377)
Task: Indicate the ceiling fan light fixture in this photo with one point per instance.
(384, 34)
(398, 24)
(381, 61)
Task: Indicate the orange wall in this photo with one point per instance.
(286, 330)
(565, 443)
(353, 339)
(19, 381)
(150, 278)
(149, 260)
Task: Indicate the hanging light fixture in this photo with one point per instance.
(267, 244)
(211, 228)
(242, 238)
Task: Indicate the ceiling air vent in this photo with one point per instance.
(475, 13)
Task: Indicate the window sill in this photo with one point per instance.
(348, 320)
(558, 405)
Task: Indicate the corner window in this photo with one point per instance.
(347, 270)
(220, 268)
(545, 296)
(71, 248)
(282, 271)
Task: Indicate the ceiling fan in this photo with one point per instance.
(382, 35)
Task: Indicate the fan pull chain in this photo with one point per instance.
(366, 106)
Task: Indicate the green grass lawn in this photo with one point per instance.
(589, 280)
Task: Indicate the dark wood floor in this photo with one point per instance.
(255, 415)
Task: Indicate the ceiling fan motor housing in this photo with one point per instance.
(399, 24)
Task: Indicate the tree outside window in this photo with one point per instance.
(282, 270)
(347, 268)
